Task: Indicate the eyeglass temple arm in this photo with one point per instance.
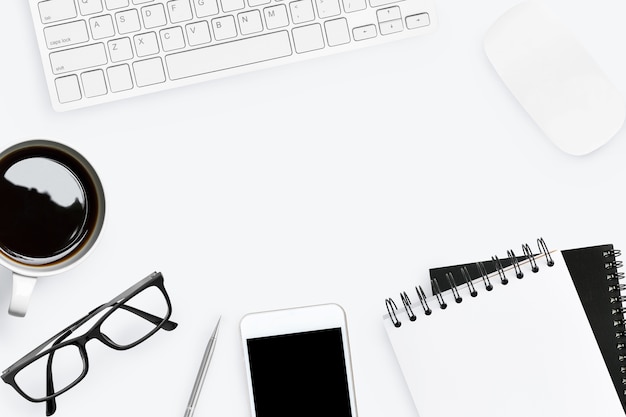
(167, 325)
(51, 404)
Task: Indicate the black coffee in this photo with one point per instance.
(48, 205)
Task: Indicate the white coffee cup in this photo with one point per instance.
(51, 213)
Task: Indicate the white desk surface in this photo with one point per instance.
(339, 179)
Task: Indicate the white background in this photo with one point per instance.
(340, 180)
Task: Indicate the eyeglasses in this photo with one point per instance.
(126, 321)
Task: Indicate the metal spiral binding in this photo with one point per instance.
(544, 249)
(617, 287)
(391, 309)
(500, 270)
(531, 257)
(614, 264)
(437, 293)
(422, 298)
(614, 276)
(484, 276)
(518, 270)
(407, 305)
(455, 290)
(468, 281)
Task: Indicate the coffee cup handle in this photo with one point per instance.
(23, 287)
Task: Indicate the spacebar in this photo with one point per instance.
(228, 55)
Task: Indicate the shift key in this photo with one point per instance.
(78, 58)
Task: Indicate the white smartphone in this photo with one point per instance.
(298, 362)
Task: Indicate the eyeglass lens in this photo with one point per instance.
(67, 367)
(125, 326)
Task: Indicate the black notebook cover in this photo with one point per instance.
(594, 271)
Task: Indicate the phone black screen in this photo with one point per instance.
(300, 374)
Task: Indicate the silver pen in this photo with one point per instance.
(204, 365)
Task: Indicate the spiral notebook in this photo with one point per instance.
(532, 335)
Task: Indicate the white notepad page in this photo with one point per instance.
(521, 350)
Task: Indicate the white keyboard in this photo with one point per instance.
(96, 51)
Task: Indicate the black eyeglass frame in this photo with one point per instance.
(58, 341)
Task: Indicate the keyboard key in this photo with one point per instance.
(301, 11)
(120, 50)
(116, 4)
(153, 16)
(172, 39)
(127, 21)
(67, 89)
(66, 34)
(149, 72)
(88, 7)
(232, 5)
(78, 58)
(228, 55)
(93, 83)
(250, 22)
(308, 38)
(351, 6)
(179, 11)
(101, 27)
(364, 32)
(376, 3)
(224, 27)
(417, 21)
(276, 17)
(205, 8)
(119, 78)
(255, 3)
(198, 33)
(328, 8)
(337, 32)
(142, 1)
(388, 14)
(392, 26)
(55, 10)
(146, 44)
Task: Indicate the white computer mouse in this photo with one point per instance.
(554, 79)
